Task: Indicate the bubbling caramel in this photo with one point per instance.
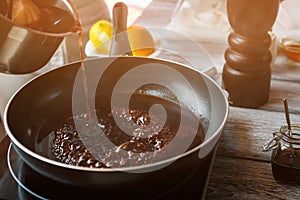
(143, 145)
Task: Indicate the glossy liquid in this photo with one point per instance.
(286, 166)
(44, 17)
(83, 70)
(143, 145)
(291, 48)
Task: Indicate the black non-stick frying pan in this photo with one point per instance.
(45, 102)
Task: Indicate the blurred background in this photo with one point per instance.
(135, 8)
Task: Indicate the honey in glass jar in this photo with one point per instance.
(286, 151)
(290, 45)
(286, 154)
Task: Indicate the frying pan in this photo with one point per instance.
(46, 101)
(43, 104)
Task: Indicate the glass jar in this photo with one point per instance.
(286, 154)
(290, 44)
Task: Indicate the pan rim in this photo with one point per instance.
(44, 159)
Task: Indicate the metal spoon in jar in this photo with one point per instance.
(287, 116)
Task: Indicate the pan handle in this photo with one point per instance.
(212, 72)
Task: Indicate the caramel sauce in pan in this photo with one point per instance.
(66, 145)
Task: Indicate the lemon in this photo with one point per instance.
(141, 41)
(100, 35)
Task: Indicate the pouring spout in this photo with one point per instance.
(9, 8)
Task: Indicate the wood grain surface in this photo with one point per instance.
(241, 169)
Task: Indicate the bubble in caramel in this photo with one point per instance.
(143, 145)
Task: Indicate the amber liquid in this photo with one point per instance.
(83, 70)
(286, 166)
(132, 148)
(291, 49)
(47, 18)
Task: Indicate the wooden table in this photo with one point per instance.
(241, 169)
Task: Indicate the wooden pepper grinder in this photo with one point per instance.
(247, 73)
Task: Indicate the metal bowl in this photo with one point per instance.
(23, 49)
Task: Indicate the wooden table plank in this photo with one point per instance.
(284, 89)
(285, 68)
(247, 130)
(233, 178)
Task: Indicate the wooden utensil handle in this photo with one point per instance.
(120, 44)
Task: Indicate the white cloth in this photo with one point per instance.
(203, 20)
(288, 19)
